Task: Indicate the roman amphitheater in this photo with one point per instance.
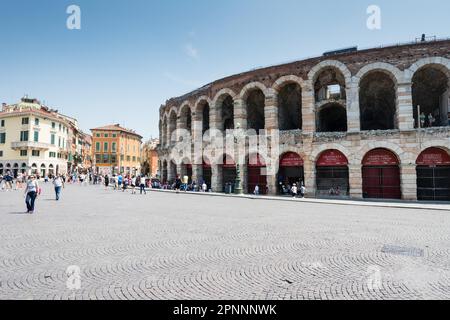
(368, 123)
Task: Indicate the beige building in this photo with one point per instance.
(33, 139)
(354, 123)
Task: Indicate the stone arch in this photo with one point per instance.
(440, 62)
(172, 124)
(317, 69)
(253, 96)
(221, 94)
(395, 73)
(441, 144)
(331, 117)
(224, 108)
(288, 79)
(288, 93)
(252, 86)
(317, 152)
(203, 112)
(430, 88)
(185, 104)
(378, 100)
(185, 117)
(403, 156)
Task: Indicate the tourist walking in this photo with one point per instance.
(204, 186)
(59, 184)
(31, 193)
(8, 181)
(106, 181)
(294, 190)
(142, 185)
(256, 191)
(303, 191)
(133, 185)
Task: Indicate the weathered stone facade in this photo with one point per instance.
(402, 135)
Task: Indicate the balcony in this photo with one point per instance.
(23, 145)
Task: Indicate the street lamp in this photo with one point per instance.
(238, 184)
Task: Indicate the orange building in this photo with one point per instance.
(150, 158)
(116, 150)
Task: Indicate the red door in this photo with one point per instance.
(255, 177)
(381, 175)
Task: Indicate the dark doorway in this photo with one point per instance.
(433, 175)
(332, 118)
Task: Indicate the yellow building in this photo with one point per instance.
(33, 139)
(116, 150)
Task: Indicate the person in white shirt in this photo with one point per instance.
(58, 182)
(204, 187)
(31, 193)
(294, 190)
(256, 191)
(143, 185)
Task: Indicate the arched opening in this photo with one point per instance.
(433, 175)
(430, 91)
(228, 174)
(172, 127)
(290, 171)
(329, 85)
(332, 175)
(1, 168)
(381, 175)
(332, 117)
(43, 170)
(34, 169)
(256, 174)
(255, 103)
(23, 168)
(51, 170)
(207, 173)
(15, 170)
(377, 101)
(203, 110)
(290, 107)
(164, 172)
(186, 119)
(186, 171)
(227, 113)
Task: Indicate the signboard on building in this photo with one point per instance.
(332, 158)
(434, 157)
(380, 157)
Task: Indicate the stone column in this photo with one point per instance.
(240, 114)
(405, 115)
(171, 175)
(308, 109)
(271, 111)
(408, 176)
(310, 177)
(355, 180)
(216, 179)
(353, 116)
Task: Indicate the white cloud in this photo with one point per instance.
(191, 51)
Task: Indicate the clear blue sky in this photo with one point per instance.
(132, 55)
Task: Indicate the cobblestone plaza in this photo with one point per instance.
(169, 246)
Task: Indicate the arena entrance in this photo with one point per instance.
(381, 175)
(228, 173)
(433, 175)
(332, 176)
(290, 171)
(256, 168)
(207, 174)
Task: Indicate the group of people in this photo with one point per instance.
(295, 190)
(427, 121)
(124, 182)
